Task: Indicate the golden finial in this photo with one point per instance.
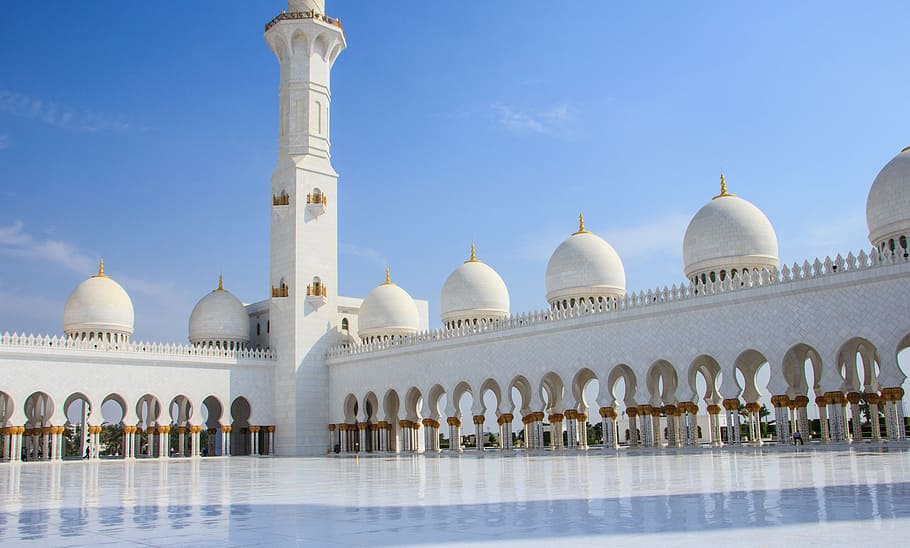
(101, 273)
(388, 276)
(220, 283)
(581, 224)
(473, 258)
(723, 187)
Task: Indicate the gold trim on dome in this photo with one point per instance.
(723, 187)
(100, 273)
(581, 225)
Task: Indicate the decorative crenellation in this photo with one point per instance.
(311, 14)
(161, 349)
(749, 281)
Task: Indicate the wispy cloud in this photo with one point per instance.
(15, 241)
(56, 114)
(4, 141)
(660, 237)
(371, 255)
(520, 121)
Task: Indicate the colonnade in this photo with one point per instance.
(47, 443)
(646, 425)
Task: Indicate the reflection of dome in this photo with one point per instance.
(220, 319)
(584, 267)
(387, 311)
(888, 204)
(99, 308)
(473, 292)
(726, 235)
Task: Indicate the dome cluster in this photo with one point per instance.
(726, 237)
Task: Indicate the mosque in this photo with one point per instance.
(308, 371)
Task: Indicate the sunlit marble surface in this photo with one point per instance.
(671, 497)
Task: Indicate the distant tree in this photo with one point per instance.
(112, 439)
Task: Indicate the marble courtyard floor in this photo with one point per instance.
(665, 498)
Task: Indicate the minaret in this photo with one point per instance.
(304, 235)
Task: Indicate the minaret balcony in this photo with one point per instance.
(316, 203)
(281, 291)
(317, 294)
(311, 14)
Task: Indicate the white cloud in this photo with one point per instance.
(542, 121)
(371, 255)
(15, 241)
(56, 114)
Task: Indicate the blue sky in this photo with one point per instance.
(147, 136)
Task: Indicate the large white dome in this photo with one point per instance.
(219, 318)
(728, 234)
(584, 267)
(98, 305)
(387, 310)
(474, 291)
(888, 204)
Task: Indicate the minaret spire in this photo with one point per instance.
(723, 187)
(581, 224)
(220, 282)
(473, 258)
(388, 276)
(101, 273)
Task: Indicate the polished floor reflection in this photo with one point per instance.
(672, 497)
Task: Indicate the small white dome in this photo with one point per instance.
(98, 305)
(727, 234)
(584, 267)
(474, 291)
(888, 204)
(219, 317)
(388, 310)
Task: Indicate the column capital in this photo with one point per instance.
(731, 404)
(479, 419)
(782, 400)
(452, 421)
(713, 409)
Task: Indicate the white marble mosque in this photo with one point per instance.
(306, 371)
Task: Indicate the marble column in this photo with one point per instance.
(731, 405)
(454, 434)
(632, 413)
(608, 427)
(856, 424)
(556, 429)
(714, 422)
(581, 420)
(822, 403)
(571, 428)
(781, 405)
(478, 431)
(873, 399)
(647, 438)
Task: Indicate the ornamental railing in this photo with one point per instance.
(637, 301)
(48, 342)
(312, 14)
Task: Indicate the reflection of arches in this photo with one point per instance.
(241, 438)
